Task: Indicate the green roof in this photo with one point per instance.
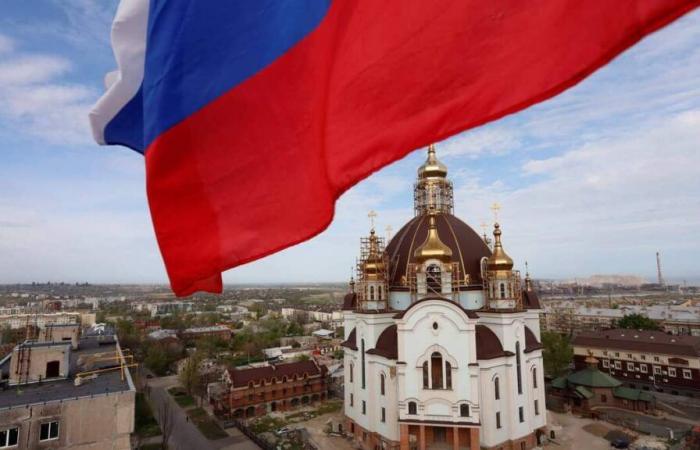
(583, 392)
(559, 383)
(632, 394)
(592, 377)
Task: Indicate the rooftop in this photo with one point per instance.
(50, 391)
(640, 341)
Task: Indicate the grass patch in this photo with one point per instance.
(181, 397)
(146, 425)
(327, 407)
(266, 423)
(208, 427)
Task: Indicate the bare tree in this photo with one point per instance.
(166, 420)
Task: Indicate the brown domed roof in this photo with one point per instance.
(467, 246)
(531, 342)
(349, 301)
(351, 343)
(387, 344)
(488, 346)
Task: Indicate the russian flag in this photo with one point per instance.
(254, 116)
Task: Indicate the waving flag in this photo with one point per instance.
(254, 116)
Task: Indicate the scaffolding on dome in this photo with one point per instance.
(433, 286)
(379, 276)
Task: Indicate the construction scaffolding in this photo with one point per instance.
(371, 269)
(433, 284)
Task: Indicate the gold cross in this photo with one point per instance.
(371, 214)
(495, 208)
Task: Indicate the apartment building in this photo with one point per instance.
(650, 360)
(63, 392)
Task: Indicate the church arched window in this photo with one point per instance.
(379, 292)
(426, 377)
(381, 383)
(363, 364)
(412, 408)
(496, 389)
(352, 367)
(464, 410)
(503, 290)
(434, 279)
(448, 375)
(436, 370)
(371, 292)
(517, 367)
(534, 377)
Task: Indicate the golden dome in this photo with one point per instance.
(499, 259)
(432, 168)
(433, 247)
(374, 264)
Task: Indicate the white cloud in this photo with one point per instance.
(609, 203)
(35, 99)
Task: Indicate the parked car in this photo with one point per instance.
(620, 443)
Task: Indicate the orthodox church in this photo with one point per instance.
(442, 337)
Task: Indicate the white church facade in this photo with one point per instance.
(442, 338)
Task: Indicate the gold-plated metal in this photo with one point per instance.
(499, 259)
(433, 247)
(432, 190)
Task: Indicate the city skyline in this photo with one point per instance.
(596, 180)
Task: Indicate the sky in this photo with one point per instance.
(593, 181)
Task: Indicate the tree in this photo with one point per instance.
(637, 322)
(557, 353)
(303, 357)
(166, 420)
(189, 376)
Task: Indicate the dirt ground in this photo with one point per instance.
(575, 433)
(315, 428)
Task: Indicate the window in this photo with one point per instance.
(606, 363)
(371, 292)
(496, 389)
(657, 370)
(448, 375)
(605, 352)
(517, 367)
(9, 437)
(618, 365)
(426, 378)
(687, 374)
(617, 353)
(534, 377)
(629, 355)
(383, 415)
(381, 383)
(363, 363)
(412, 408)
(498, 420)
(364, 407)
(671, 371)
(644, 357)
(656, 358)
(464, 410)
(521, 414)
(352, 400)
(537, 408)
(630, 366)
(434, 278)
(49, 430)
(503, 290)
(379, 292)
(603, 398)
(436, 370)
(351, 371)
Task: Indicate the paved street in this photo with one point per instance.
(185, 435)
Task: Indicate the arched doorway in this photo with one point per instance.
(273, 406)
(249, 412)
(305, 400)
(295, 402)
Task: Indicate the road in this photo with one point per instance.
(185, 435)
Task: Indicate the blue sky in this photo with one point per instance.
(593, 181)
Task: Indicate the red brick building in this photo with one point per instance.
(650, 360)
(257, 391)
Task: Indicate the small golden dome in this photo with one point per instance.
(499, 259)
(374, 264)
(433, 247)
(432, 168)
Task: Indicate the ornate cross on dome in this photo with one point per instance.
(495, 208)
(371, 214)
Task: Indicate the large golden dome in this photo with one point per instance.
(466, 246)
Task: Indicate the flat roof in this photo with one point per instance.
(56, 390)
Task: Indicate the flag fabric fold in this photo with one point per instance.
(255, 116)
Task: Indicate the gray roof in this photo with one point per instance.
(65, 390)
